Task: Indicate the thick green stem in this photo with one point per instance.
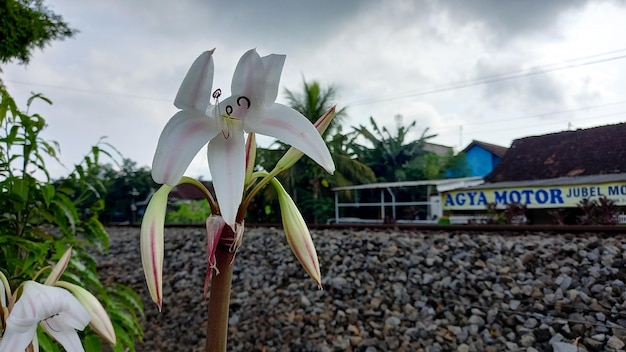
(219, 300)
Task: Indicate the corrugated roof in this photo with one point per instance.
(558, 181)
(594, 151)
(409, 183)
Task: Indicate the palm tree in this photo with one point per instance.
(306, 177)
(314, 101)
(391, 157)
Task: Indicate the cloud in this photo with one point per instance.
(119, 76)
(506, 21)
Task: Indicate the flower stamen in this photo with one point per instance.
(243, 98)
(48, 323)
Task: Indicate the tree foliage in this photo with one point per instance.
(392, 157)
(125, 184)
(26, 25)
(307, 183)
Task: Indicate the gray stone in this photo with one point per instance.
(477, 320)
(615, 343)
(390, 290)
(564, 347)
(527, 340)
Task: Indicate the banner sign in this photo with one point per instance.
(534, 197)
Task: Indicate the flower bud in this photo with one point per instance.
(58, 269)
(151, 241)
(297, 234)
(250, 158)
(100, 321)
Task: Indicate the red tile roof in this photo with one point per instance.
(594, 151)
(188, 192)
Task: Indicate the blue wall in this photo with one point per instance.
(480, 161)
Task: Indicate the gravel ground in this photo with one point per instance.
(391, 291)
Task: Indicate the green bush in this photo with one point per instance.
(194, 212)
(40, 219)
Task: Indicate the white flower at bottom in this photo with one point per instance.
(59, 313)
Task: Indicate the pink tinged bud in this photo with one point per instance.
(58, 269)
(297, 234)
(5, 291)
(323, 122)
(100, 321)
(151, 240)
(293, 155)
(250, 158)
(214, 227)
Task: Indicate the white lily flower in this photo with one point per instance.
(250, 108)
(55, 309)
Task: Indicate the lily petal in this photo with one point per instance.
(183, 136)
(297, 233)
(288, 125)
(214, 226)
(272, 68)
(226, 154)
(59, 312)
(293, 155)
(248, 79)
(58, 269)
(68, 338)
(195, 91)
(151, 242)
(19, 337)
(100, 321)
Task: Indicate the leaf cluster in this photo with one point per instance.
(40, 219)
(602, 211)
(194, 212)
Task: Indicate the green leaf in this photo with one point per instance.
(126, 320)
(92, 343)
(123, 339)
(66, 206)
(20, 189)
(47, 191)
(37, 96)
(128, 297)
(46, 343)
(98, 232)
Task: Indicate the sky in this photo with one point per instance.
(486, 70)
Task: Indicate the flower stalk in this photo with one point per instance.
(219, 300)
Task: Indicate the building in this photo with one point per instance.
(438, 149)
(482, 157)
(552, 176)
(593, 151)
